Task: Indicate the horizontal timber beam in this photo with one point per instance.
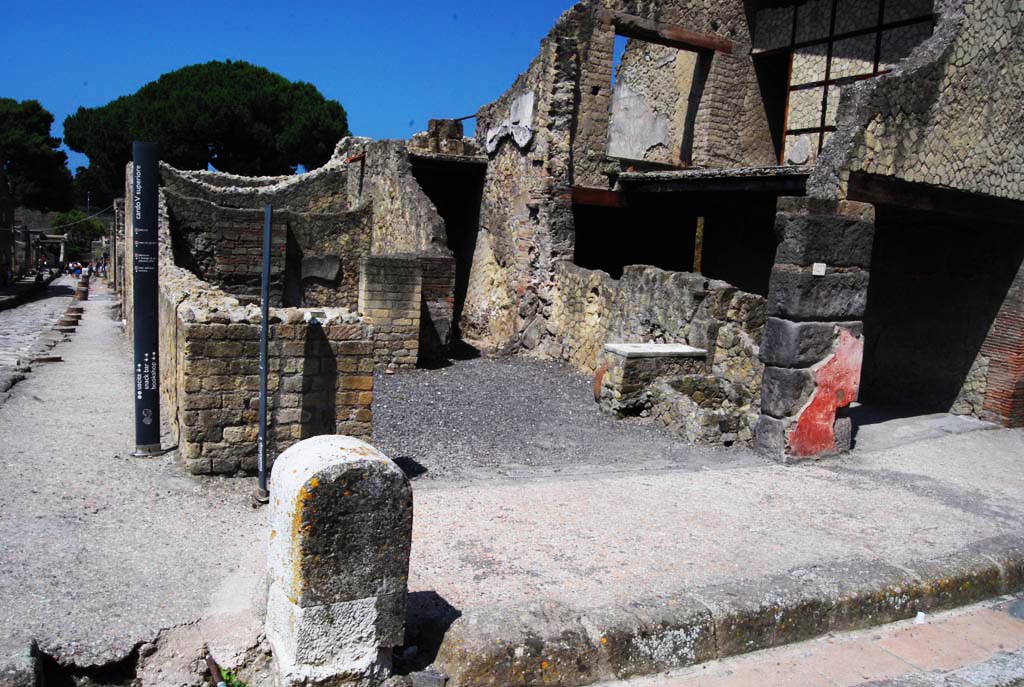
(885, 190)
(673, 36)
(598, 196)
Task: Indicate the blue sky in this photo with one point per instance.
(392, 65)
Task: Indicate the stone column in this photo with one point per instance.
(341, 531)
(813, 340)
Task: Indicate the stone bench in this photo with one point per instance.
(626, 372)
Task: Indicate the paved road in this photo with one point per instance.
(23, 327)
(100, 551)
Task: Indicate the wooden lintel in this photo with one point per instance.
(668, 34)
(772, 185)
(598, 196)
(884, 190)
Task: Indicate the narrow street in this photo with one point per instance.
(27, 325)
(101, 551)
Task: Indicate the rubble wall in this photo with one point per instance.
(652, 305)
(730, 127)
(934, 119)
(314, 256)
(404, 219)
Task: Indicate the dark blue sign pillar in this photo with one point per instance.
(144, 297)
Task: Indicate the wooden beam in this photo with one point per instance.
(788, 185)
(631, 26)
(598, 196)
(884, 190)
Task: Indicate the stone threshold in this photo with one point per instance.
(551, 643)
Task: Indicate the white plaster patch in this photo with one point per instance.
(518, 124)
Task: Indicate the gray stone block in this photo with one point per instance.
(801, 344)
(326, 267)
(784, 392)
(19, 663)
(799, 295)
(844, 434)
(831, 239)
(770, 437)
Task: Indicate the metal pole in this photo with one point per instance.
(262, 494)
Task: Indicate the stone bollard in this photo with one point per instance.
(341, 531)
(82, 293)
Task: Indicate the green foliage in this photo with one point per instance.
(80, 235)
(29, 160)
(236, 116)
(232, 680)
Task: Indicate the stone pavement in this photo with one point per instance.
(102, 551)
(577, 579)
(25, 329)
(977, 646)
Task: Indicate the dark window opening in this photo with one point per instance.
(773, 81)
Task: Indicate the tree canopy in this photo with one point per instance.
(235, 116)
(30, 163)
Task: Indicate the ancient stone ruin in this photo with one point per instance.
(792, 205)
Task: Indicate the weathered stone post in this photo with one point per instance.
(341, 531)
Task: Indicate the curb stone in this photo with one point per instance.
(547, 643)
(21, 667)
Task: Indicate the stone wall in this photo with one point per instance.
(651, 305)
(563, 100)
(438, 307)
(318, 237)
(947, 116)
(404, 219)
(320, 379)
(654, 103)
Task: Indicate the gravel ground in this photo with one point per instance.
(99, 551)
(512, 416)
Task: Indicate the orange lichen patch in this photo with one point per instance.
(299, 530)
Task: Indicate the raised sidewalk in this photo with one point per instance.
(574, 580)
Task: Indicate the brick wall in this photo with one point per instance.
(390, 295)
(713, 405)
(320, 381)
(438, 308)
(1004, 348)
(319, 375)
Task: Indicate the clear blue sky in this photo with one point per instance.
(392, 65)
